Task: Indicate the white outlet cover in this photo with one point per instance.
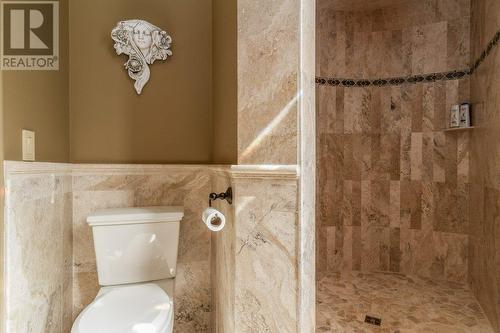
(28, 145)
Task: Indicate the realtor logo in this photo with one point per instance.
(30, 35)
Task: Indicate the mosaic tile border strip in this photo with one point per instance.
(396, 81)
(493, 42)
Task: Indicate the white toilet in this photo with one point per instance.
(136, 252)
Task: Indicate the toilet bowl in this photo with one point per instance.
(136, 255)
(140, 308)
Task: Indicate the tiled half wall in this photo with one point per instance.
(231, 281)
(256, 272)
(97, 187)
(393, 186)
(38, 249)
(51, 269)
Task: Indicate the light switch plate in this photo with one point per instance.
(28, 145)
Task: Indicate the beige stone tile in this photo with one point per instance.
(416, 156)
(356, 203)
(380, 203)
(463, 157)
(268, 64)
(376, 248)
(429, 39)
(334, 238)
(321, 249)
(458, 43)
(395, 204)
(347, 204)
(395, 252)
(441, 111)
(439, 157)
(85, 289)
(265, 255)
(357, 248)
(428, 105)
(427, 156)
(37, 216)
(185, 187)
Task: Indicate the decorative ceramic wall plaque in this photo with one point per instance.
(144, 43)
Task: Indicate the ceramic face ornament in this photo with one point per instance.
(143, 43)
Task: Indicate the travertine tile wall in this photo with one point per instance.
(242, 279)
(275, 127)
(38, 251)
(414, 37)
(268, 68)
(306, 191)
(223, 262)
(266, 254)
(256, 279)
(51, 270)
(392, 188)
(107, 186)
(484, 250)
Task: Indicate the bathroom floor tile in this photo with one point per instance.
(404, 303)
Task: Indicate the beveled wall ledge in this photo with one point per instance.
(17, 167)
(51, 199)
(264, 171)
(235, 171)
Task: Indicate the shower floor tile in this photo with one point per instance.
(404, 303)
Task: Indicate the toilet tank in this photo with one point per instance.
(136, 244)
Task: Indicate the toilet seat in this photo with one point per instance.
(139, 308)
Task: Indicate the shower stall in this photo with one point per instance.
(407, 218)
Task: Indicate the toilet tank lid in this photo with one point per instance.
(134, 215)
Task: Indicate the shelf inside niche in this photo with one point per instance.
(454, 129)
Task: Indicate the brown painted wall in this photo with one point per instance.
(484, 244)
(38, 100)
(89, 112)
(171, 122)
(224, 81)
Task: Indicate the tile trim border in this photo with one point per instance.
(12, 168)
(412, 79)
(486, 52)
(392, 81)
(263, 171)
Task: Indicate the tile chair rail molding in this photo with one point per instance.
(412, 79)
